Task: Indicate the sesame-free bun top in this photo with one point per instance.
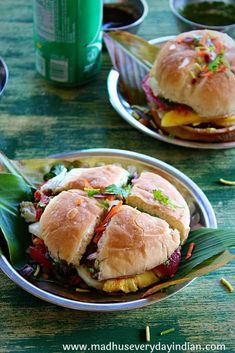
(133, 243)
(177, 77)
(68, 223)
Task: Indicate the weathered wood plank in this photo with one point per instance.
(37, 120)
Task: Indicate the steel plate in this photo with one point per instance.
(123, 108)
(200, 209)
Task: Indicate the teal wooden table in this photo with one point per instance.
(37, 120)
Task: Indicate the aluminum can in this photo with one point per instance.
(68, 40)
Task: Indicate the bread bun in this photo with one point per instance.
(216, 134)
(133, 243)
(67, 225)
(209, 97)
(175, 211)
(80, 178)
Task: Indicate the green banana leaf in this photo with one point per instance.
(203, 269)
(133, 58)
(210, 252)
(136, 47)
(13, 189)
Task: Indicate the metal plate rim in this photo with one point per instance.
(114, 98)
(4, 65)
(206, 208)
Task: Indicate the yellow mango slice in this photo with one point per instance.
(130, 284)
(175, 118)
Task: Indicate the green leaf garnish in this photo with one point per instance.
(104, 203)
(54, 171)
(92, 192)
(13, 189)
(118, 190)
(90, 270)
(164, 199)
(214, 65)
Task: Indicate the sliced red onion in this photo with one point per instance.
(26, 270)
(92, 256)
(135, 175)
(99, 196)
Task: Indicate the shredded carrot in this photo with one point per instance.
(190, 250)
(203, 39)
(97, 237)
(180, 40)
(218, 46)
(207, 74)
(144, 121)
(101, 228)
(45, 275)
(201, 53)
(110, 197)
(205, 68)
(37, 241)
(222, 68)
(86, 184)
(78, 202)
(112, 212)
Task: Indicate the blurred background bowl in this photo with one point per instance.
(3, 75)
(124, 15)
(185, 23)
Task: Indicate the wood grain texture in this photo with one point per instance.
(36, 120)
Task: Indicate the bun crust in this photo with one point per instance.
(67, 225)
(141, 196)
(80, 178)
(211, 96)
(133, 243)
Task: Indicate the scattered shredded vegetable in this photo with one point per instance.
(227, 284)
(165, 332)
(81, 290)
(101, 228)
(147, 332)
(37, 271)
(227, 182)
(190, 250)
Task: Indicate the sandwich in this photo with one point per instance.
(113, 242)
(191, 87)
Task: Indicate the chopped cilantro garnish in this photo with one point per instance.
(90, 269)
(164, 199)
(214, 65)
(159, 196)
(117, 190)
(92, 192)
(196, 39)
(104, 203)
(55, 170)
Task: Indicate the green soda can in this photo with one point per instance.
(68, 40)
